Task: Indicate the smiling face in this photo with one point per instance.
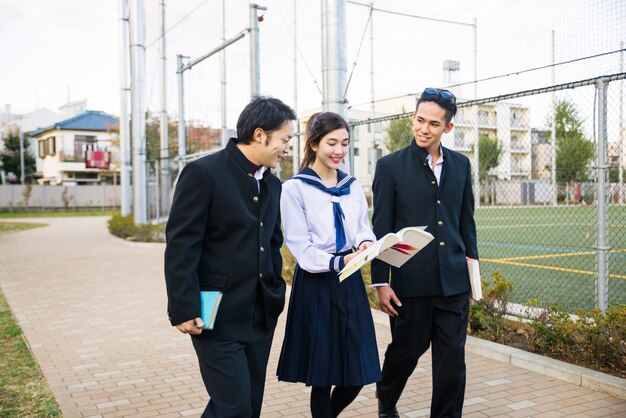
(429, 124)
(331, 150)
(271, 147)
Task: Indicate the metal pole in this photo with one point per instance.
(21, 139)
(182, 143)
(602, 247)
(163, 192)
(295, 142)
(622, 134)
(553, 130)
(138, 109)
(157, 187)
(125, 167)
(372, 131)
(476, 113)
(255, 73)
(335, 64)
(223, 76)
(335, 61)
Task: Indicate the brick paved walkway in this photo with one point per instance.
(92, 308)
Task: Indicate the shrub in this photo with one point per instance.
(486, 318)
(122, 226)
(587, 338)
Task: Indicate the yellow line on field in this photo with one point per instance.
(537, 266)
(531, 257)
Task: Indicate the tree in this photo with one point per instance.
(574, 152)
(198, 137)
(399, 133)
(10, 156)
(489, 151)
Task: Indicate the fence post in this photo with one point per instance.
(601, 285)
(476, 172)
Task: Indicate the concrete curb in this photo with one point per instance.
(547, 366)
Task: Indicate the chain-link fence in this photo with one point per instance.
(548, 185)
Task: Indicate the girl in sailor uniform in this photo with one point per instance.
(329, 337)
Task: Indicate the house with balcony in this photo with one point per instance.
(80, 150)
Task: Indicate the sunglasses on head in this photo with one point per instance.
(434, 93)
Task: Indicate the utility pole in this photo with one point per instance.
(255, 73)
(138, 109)
(165, 153)
(125, 169)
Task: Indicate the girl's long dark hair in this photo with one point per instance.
(317, 127)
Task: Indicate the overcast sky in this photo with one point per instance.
(53, 51)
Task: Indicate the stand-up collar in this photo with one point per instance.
(422, 153)
(245, 164)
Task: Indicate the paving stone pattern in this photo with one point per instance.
(93, 309)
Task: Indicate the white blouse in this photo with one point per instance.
(309, 223)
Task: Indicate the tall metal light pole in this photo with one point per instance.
(138, 56)
(125, 167)
(165, 153)
(223, 77)
(295, 142)
(335, 68)
(255, 72)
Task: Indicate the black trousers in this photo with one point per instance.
(442, 322)
(234, 375)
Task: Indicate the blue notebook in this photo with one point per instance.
(209, 303)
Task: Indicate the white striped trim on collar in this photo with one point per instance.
(318, 180)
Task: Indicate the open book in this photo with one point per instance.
(476, 283)
(394, 248)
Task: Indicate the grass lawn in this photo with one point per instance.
(6, 227)
(23, 389)
(53, 214)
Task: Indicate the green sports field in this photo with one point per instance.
(548, 252)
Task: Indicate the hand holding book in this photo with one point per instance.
(394, 248)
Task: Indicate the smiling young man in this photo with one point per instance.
(224, 233)
(427, 299)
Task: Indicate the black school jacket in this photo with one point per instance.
(406, 194)
(222, 234)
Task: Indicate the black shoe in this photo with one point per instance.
(392, 413)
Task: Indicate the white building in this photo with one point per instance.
(79, 150)
(509, 123)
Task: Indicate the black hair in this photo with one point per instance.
(317, 127)
(267, 113)
(448, 105)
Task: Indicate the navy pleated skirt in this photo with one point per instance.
(329, 337)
